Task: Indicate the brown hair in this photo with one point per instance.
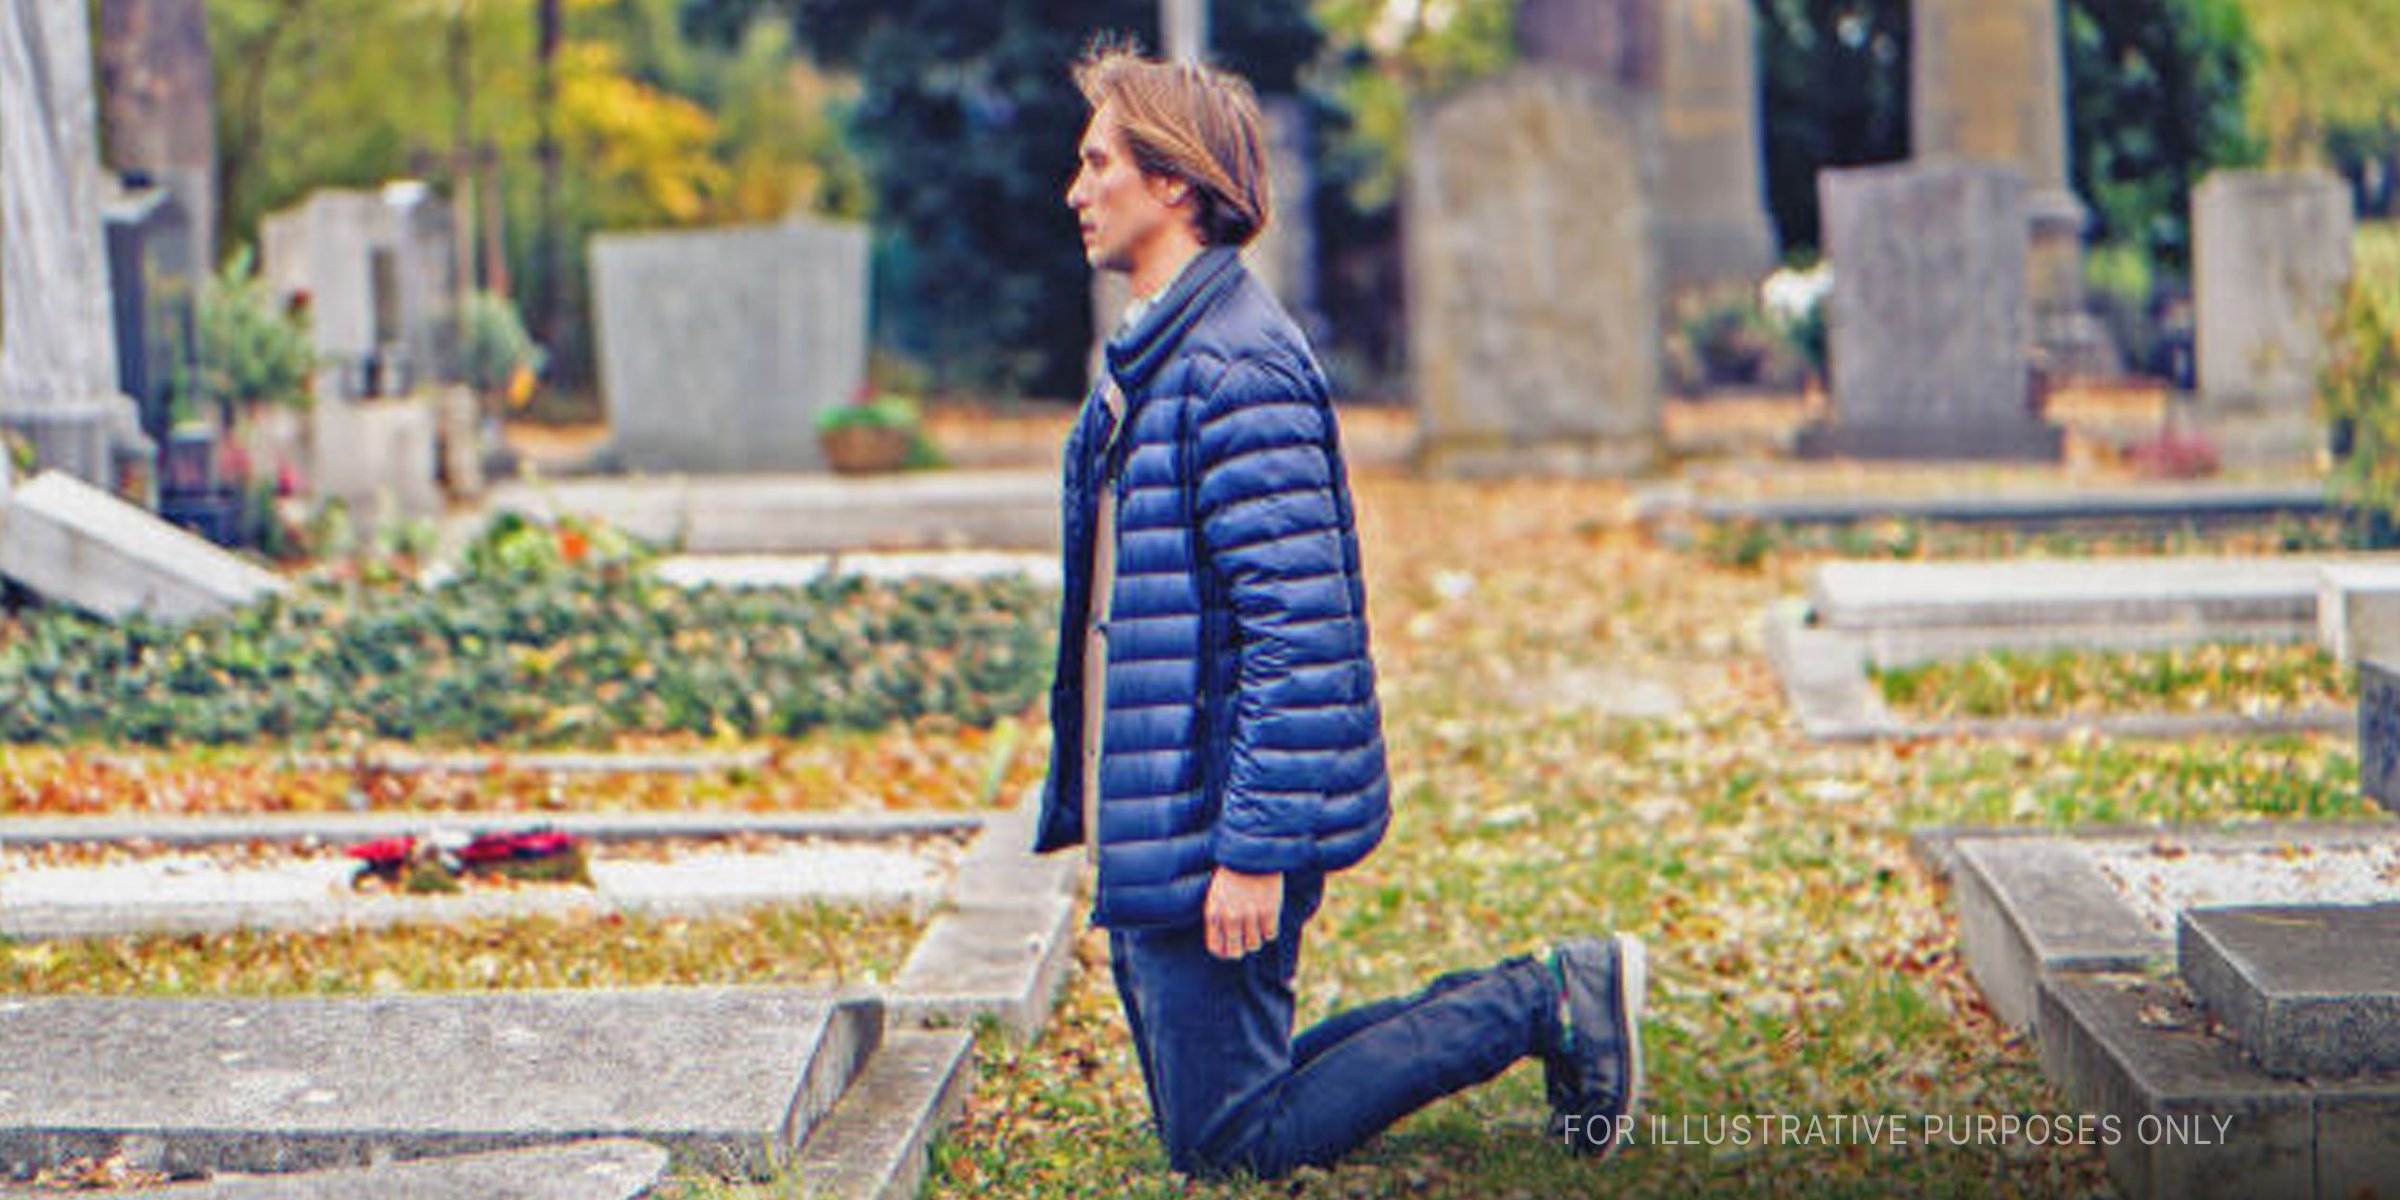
(1188, 122)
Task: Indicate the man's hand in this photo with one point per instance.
(1243, 912)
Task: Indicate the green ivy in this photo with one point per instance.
(549, 637)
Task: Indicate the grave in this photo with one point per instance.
(58, 370)
(2358, 611)
(153, 273)
(1927, 328)
(728, 1079)
(789, 514)
(73, 543)
(1714, 236)
(1534, 276)
(1987, 83)
(719, 347)
(2266, 1068)
(2270, 256)
(1862, 615)
(376, 273)
(378, 457)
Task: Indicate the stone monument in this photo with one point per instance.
(1713, 226)
(2270, 259)
(1533, 276)
(1987, 82)
(158, 92)
(375, 271)
(1927, 330)
(718, 347)
(58, 369)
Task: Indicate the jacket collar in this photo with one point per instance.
(1136, 353)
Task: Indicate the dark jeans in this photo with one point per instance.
(1232, 1091)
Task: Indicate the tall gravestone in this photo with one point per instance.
(1713, 225)
(58, 371)
(2270, 257)
(718, 348)
(1928, 321)
(1533, 276)
(158, 93)
(1987, 82)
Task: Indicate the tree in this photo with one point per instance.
(2155, 102)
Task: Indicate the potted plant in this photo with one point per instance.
(883, 432)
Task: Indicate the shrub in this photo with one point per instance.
(2358, 392)
(495, 355)
(250, 352)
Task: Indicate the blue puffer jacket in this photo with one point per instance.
(1242, 728)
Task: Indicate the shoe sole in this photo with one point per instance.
(1633, 985)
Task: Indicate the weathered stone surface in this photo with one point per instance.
(2029, 908)
(2358, 1138)
(719, 347)
(1001, 949)
(761, 514)
(2312, 991)
(2129, 591)
(1928, 324)
(1533, 277)
(2194, 1119)
(2358, 611)
(2379, 731)
(1620, 41)
(605, 1169)
(72, 543)
(873, 1147)
(728, 1079)
(58, 367)
(2270, 256)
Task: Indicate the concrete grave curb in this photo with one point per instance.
(875, 1145)
(604, 1169)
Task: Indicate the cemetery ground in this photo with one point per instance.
(1585, 735)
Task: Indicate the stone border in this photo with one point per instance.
(598, 827)
(1002, 947)
(877, 1144)
(538, 762)
(2158, 504)
(599, 1169)
(1825, 682)
(2057, 952)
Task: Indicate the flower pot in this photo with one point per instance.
(864, 449)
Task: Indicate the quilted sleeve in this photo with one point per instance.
(1269, 521)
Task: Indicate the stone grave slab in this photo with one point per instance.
(2311, 991)
(729, 1080)
(1910, 612)
(378, 457)
(2031, 907)
(2358, 611)
(797, 514)
(602, 1169)
(72, 542)
(874, 1145)
(719, 347)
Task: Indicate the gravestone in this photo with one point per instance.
(2379, 731)
(1927, 324)
(2358, 611)
(375, 272)
(58, 371)
(718, 348)
(1284, 255)
(2270, 257)
(158, 95)
(1713, 229)
(1987, 83)
(380, 458)
(1621, 41)
(70, 542)
(1533, 274)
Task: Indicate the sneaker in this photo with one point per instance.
(1594, 1078)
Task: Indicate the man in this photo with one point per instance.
(1217, 740)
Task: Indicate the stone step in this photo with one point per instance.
(2185, 1115)
(2310, 990)
(730, 1080)
(605, 1169)
(73, 543)
(2199, 594)
(874, 1146)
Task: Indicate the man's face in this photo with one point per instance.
(1122, 212)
